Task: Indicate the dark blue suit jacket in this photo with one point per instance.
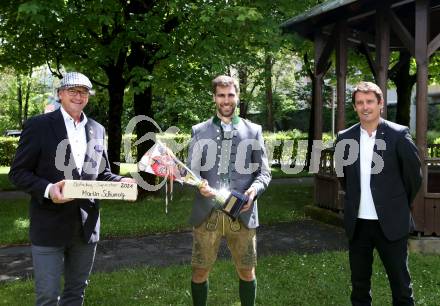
(393, 189)
(36, 164)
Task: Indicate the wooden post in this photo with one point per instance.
(319, 47)
(382, 51)
(323, 50)
(341, 74)
(421, 52)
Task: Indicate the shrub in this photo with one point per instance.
(433, 137)
(275, 145)
(178, 143)
(8, 146)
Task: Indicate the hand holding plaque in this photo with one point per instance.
(82, 189)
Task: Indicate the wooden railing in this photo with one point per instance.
(328, 193)
(326, 162)
(434, 150)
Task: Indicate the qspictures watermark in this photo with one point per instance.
(206, 155)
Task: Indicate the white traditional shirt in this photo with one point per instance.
(226, 126)
(367, 210)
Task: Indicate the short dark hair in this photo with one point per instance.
(224, 81)
(367, 87)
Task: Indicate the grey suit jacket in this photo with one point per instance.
(393, 189)
(243, 157)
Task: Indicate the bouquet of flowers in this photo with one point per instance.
(162, 162)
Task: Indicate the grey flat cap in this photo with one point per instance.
(72, 79)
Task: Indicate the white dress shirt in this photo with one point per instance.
(76, 133)
(367, 210)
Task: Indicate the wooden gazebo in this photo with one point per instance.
(379, 26)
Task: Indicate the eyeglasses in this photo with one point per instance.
(74, 92)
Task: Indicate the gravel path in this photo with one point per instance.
(305, 236)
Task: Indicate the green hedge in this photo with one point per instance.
(8, 146)
(281, 146)
(276, 144)
(177, 143)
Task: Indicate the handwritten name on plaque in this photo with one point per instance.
(75, 189)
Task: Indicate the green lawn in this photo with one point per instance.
(120, 218)
(280, 203)
(277, 172)
(294, 279)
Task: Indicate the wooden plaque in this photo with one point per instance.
(77, 189)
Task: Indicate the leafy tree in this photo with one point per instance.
(20, 96)
(153, 58)
(267, 46)
(81, 35)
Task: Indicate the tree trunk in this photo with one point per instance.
(404, 81)
(20, 100)
(28, 92)
(269, 95)
(142, 104)
(244, 104)
(403, 103)
(116, 86)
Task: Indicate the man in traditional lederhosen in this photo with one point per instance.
(227, 152)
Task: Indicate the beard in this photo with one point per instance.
(229, 112)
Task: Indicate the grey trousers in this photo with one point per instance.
(74, 260)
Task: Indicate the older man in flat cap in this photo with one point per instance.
(63, 144)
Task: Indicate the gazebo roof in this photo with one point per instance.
(358, 15)
(319, 10)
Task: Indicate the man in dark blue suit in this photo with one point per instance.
(63, 144)
(378, 167)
